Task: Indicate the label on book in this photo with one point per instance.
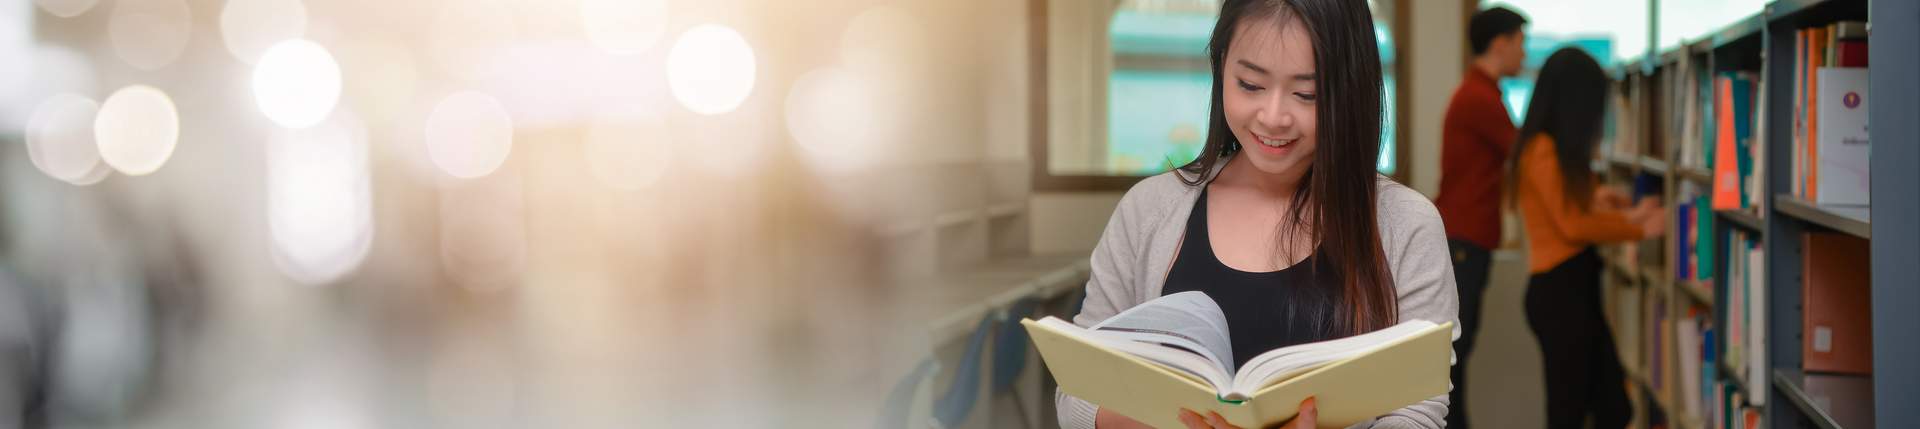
(1823, 339)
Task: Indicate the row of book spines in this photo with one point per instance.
(1745, 339)
(1840, 44)
(1713, 400)
(1693, 230)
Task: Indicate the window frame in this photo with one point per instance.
(1039, 145)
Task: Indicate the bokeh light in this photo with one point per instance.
(149, 34)
(624, 26)
(710, 69)
(836, 118)
(628, 150)
(98, 174)
(136, 129)
(66, 8)
(249, 27)
(319, 200)
(297, 83)
(469, 134)
(60, 138)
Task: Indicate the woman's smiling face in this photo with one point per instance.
(1268, 94)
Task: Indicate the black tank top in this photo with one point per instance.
(1265, 311)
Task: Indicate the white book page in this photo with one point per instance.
(1189, 321)
(1285, 363)
(1196, 367)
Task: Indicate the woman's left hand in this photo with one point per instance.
(1611, 197)
(1307, 419)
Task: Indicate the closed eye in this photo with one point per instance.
(1305, 96)
(1248, 87)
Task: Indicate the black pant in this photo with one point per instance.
(1470, 266)
(1582, 367)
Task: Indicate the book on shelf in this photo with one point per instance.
(1627, 326)
(1683, 235)
(1735, 142)
(1687, 334)
(1657, 328)
(1723, 397)
(1691, 112)
(1840, 177)
(1837, 325)
(1746, 311)
(1693, 231)
(1625, 130)
(1830, 147)
(1174, 353)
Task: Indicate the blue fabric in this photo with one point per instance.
(953, 407)
(1010, 345)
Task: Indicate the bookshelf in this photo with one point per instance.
(1851, 221)
(1761, 48)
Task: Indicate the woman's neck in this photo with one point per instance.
(1241, 173)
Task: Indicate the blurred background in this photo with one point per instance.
(614, 213)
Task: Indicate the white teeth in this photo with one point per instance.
(1275, 142)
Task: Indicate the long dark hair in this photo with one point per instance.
(1337, 194)
(1569, 103)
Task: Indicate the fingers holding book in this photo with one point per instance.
(1306, 419)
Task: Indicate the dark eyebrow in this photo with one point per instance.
(1263, 71)
(1256, 69)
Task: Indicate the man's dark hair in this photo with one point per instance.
(1491, 23)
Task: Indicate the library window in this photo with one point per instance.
(1129, 87)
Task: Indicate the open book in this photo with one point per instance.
(1173, 352)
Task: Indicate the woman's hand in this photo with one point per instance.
(1308, 418)
(1611, 197)
(1650, 216)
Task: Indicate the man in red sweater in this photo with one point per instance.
(1476, 138)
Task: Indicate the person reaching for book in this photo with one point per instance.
(1282, 218)
(1566, 212)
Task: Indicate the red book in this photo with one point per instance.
(1852, 53)
(1837, 325)
(1726, 165)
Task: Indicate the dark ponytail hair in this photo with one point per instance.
(1337, 195)
(1569, 103)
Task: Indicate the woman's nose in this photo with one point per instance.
(1274, 115)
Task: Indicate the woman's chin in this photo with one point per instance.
(1272, 163)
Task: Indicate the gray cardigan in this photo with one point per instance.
(1135, 252)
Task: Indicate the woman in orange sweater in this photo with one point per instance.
(1566, 213)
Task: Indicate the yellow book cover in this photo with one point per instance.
(1148, 373)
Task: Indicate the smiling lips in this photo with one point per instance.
(1275, 142)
